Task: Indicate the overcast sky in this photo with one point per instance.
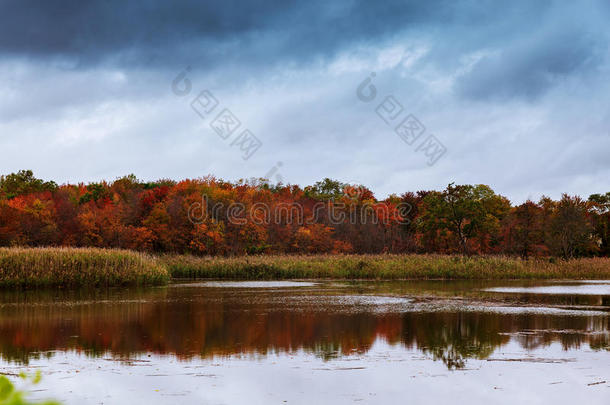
(518, 93)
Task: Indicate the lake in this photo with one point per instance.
(314, 342)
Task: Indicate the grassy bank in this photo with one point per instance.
(78, 267)
(384, 267)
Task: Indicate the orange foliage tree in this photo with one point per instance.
(209, 216)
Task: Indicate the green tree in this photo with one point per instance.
(23, 182)
(466, 211)
(326, 189)
(600, 207)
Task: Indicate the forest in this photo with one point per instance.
(209, 216)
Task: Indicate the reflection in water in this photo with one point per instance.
(596, 289)
(195, 321)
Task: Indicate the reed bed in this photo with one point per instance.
(75, 267)
(384, 267)
(78, 267)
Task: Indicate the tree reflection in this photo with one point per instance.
(188, 323)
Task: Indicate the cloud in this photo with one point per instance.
(517, 91)
(530, 67)
(216, 32)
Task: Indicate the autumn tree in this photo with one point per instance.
(571, 232)
(210, 216)
(523, 232)
(407, 227)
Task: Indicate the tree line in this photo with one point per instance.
(157, 217)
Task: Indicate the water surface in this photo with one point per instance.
(314, 342)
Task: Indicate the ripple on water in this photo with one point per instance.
(589, 288)
(248, 284)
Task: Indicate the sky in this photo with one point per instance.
(396, 95)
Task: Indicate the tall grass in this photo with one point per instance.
(78, 267)
(384, 267)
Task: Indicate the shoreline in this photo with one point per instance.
(96, 267)
(383, 267)
(78, 267)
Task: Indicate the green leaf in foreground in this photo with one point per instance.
(9, 395)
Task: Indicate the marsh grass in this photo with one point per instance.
(78, 267)
(91, 267)
(384, 267)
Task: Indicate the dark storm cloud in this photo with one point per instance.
(208, 32)
(94, 30)
(251, 35)
(531, 67)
